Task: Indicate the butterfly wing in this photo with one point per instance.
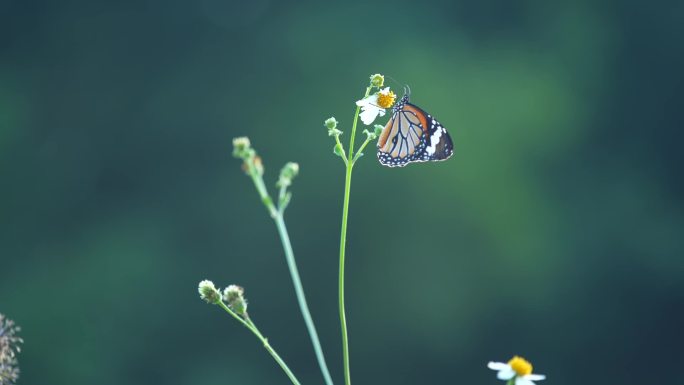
(412, 135)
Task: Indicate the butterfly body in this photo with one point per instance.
(412, 135)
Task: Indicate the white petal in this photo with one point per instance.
(384, 91)
(497, 365)
(369, 115)
(381, 112)
(535, 377)
(506, 374)
(523, 381)
(370, 100)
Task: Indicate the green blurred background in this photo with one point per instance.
(555, 231)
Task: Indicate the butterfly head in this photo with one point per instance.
(400, 104)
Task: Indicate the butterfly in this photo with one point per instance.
(412, 135)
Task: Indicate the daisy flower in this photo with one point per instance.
(517, 371)
(375, 105)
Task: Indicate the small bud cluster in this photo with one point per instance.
(9, 347)
(233, 296)
(242, 149)
(254, 167)
(331, 125)
(287, 174)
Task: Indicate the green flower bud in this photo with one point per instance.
(377, 80)
(378, 129)
(287, 174)
(208, 292)
(331, 123)
(338, 150)
(241, 147)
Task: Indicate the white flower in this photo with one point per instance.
(374, 105)
(517, 368)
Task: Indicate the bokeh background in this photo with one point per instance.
(555, 231)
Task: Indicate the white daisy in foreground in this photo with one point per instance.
(374, 105)
(517, 371)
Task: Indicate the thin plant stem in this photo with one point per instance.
(289, 255)
(343, 241)
(363, 145)
(250, 325)
(278, 216)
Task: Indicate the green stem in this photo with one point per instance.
(299, 290)
(250, 325)
(353, 133)
(277, 215)
(261, 187)
(360, 152)
(343, 243)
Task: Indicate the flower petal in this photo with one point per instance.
(369, 100)
(523, 381)
(506, 374)
(497, 365)
(535, 377)
(369, 115)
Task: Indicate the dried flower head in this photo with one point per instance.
(9, 347)
(234, 296)
(209, 292)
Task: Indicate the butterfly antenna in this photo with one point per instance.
(407, 89)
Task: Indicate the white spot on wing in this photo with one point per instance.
(434, 139)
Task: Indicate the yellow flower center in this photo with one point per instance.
(385, 100)
(520, 365)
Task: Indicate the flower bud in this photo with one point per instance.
(208, 292)
(377, 80)
(338, 150)
(233, 295)
(287, 174)
(331, 123)
(241, 147)
(378, 129)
